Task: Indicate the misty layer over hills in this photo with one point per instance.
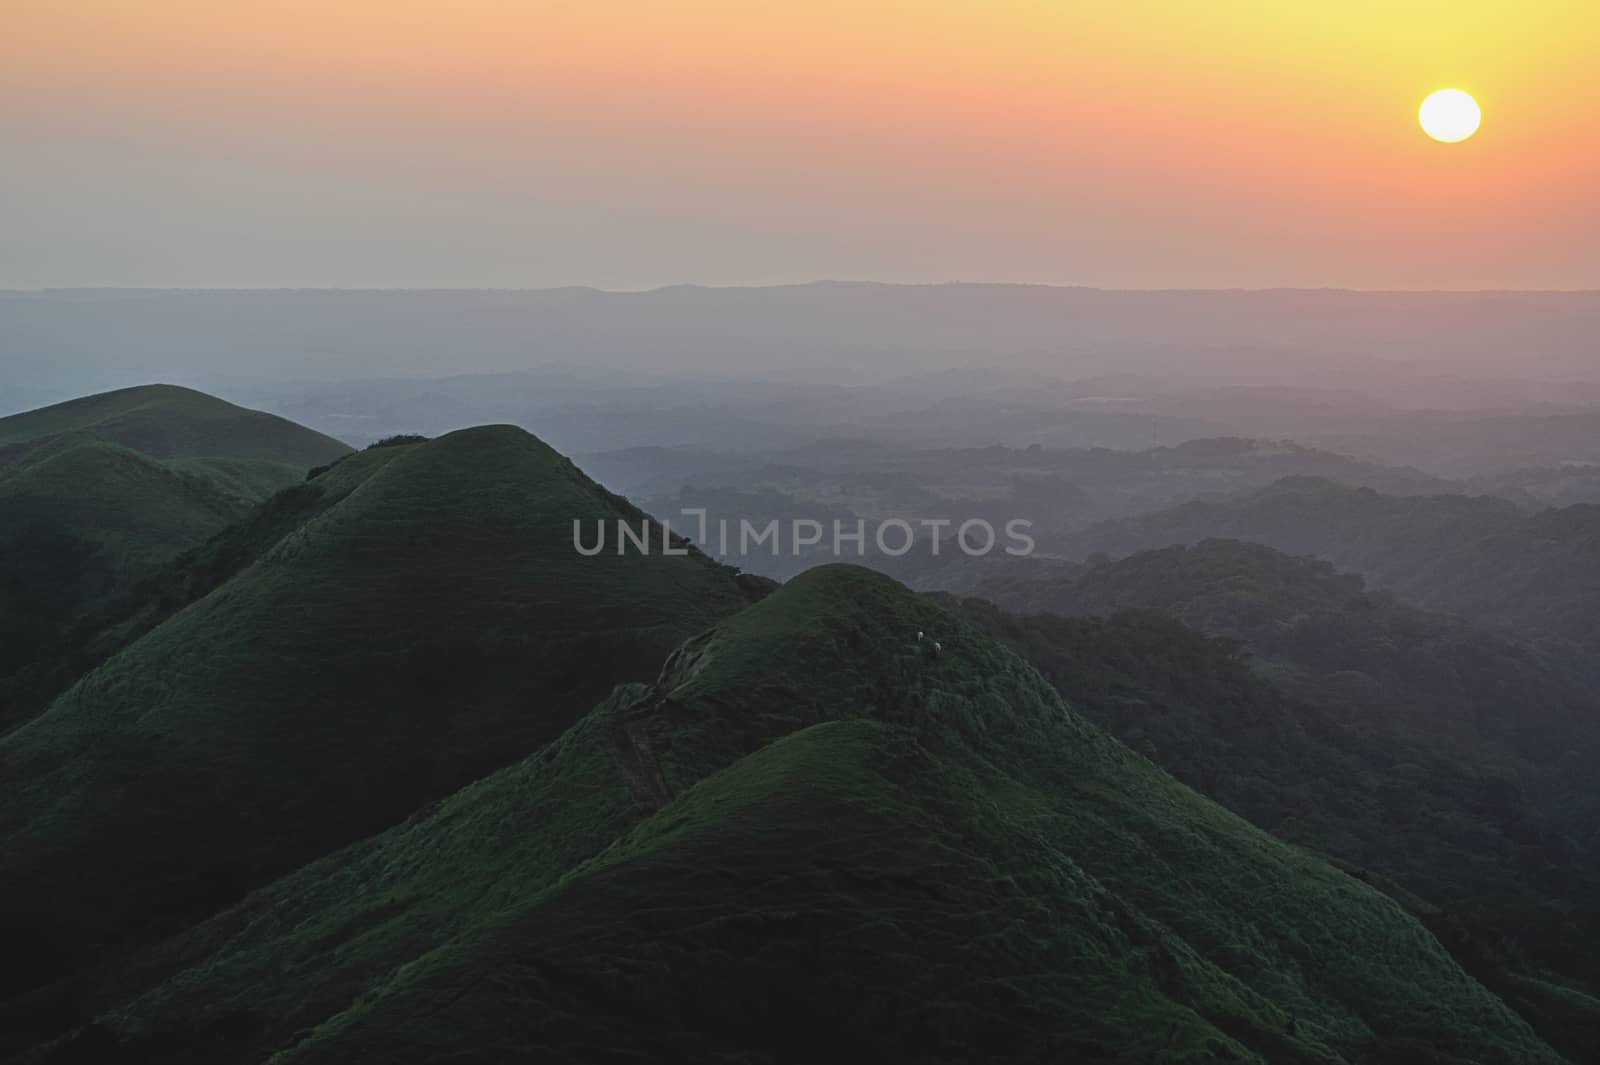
(84, 341)
(1455, 384)
(323, 742)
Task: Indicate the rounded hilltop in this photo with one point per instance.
(172, 422)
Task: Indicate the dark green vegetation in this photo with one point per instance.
(811, 833)
(419, 619)
(1415, 745)
(1480, 557)
(77, 515)
(133, 508)
(382, 770)
(1436, 676)
(123, 607)
(99, 493)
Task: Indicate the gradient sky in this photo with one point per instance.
(632, 143)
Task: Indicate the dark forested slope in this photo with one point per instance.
(1446, 756)
(1477, 556)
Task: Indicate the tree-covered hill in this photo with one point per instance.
(411, 630)
(1477, 556)
(1447, 756)
(840, 822)
(1320, 632)
(1508, 869)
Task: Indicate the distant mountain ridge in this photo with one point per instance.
(1440, 674)
(1478, 556)
(826, 328)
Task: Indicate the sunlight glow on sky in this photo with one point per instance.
(630, 143)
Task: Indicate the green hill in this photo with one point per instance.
(77, 516)
(815, 836)
(168, 422)
(1482, 848)
(429, 624)
(133, 507)
(68, 608)
(1449, 757)
(1452, 829)
(100, 491)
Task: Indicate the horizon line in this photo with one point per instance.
(816, 283)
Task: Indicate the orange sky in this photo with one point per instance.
(627, 143)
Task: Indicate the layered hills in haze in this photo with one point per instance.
(1477, 556)
(383, 769)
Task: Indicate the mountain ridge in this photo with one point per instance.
(445, 572)
(801, 835)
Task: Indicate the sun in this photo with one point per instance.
(1449, 115)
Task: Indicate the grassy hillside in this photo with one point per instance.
(131, 506)
(99, 492)
(168, 422)
(814, 832)
(252, 479)
(1451, 829)
(78, 515)
(1508, 872)
(429, 626)
(69, 609)
(1447, 756)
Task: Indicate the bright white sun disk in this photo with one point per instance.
(1449, 115)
